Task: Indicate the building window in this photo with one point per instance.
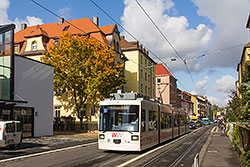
(65, 28)
(141, 60)
(158, 80)
(117, 47)
(153, 80)
(159, 90)
(145, 62)
(142, 88)
(149, 77)
(141, 73)
(57, 111)
(149, 91)
(146, 89)
(17, 48)
(145, 76)
(34, 46)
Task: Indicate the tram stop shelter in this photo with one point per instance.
(26, 88)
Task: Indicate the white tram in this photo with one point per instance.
(131, 123)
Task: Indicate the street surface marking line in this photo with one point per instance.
(212, 151)
(213, 129)
(47, 152)
(139, 157)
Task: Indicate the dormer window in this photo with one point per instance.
(66, 28)
(34, 46)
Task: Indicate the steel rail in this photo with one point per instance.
(159, 156)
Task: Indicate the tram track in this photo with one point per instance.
(170, 148)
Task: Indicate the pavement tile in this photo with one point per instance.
(61, 139)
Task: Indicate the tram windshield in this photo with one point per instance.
(119, 118)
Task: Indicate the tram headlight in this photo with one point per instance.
(101, 136)
(134, 137)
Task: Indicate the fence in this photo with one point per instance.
(69, 124)
(244, 134)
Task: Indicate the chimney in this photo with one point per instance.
(96, 20)
(23, 26)
(60, 21)
(123, 37)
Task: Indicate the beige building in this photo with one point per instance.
(186, 103)
(139, 69)
(33, 41)
(244, 61)
(194, 101)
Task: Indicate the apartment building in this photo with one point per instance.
(166, 88)
(139, 69)
(33, 41)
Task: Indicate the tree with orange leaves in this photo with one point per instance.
(84, 71)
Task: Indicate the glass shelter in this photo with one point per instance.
(8, 108)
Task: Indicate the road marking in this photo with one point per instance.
(213, 129)
(46, 152)
(143, 155)
(212, 151)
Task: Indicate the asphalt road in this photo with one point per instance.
(179, 152)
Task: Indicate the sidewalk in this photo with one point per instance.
(218, 151)
(58, 139)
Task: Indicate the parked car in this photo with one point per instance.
(10, 133)
(192, 125)
(205, 121)
(198, 124)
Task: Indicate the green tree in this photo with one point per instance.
(239, 103)
(84, 71)
(214, 109)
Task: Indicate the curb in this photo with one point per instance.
(205, 146)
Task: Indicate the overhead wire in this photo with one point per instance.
(117, 24)
(164, 36)
(136, 40)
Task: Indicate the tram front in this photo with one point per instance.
(119, 125)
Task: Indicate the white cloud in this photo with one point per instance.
(4, 18)
(65, 12)
(201, 86)
(3, 12)
(229, 18)
(222, 101)
(186, 40)
(225, 84)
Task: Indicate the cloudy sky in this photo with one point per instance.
(207, 34)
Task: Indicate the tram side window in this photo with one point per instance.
(176, 121)
(169, 120)
(182, 120)
(152, 120)
(164, 121)
(142, 120)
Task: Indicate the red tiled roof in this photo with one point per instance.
(36, 32)
(108, 29)
(53, 30)
(125, 44)
(161, 70)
